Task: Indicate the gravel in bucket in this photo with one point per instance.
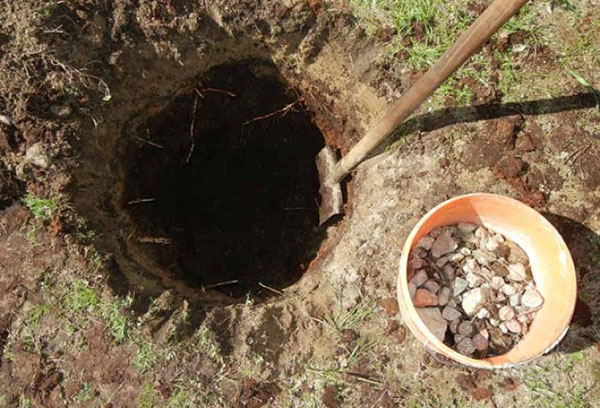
(480, 283)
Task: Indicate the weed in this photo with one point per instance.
(85, 394)
(82, 298)
(587, 85)
(145, 358)
(31, 236)
(361, 348)
(207, 344)
(148, 397)
(24, 402)
(117, 322)
(180, 399)
(42, 209)
(545, 394)
(350, 319)
(253, 368)
(34, 317)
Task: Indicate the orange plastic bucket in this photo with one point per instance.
(551, 265)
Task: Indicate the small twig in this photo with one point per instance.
(271, 289)
(155, 240)
(141, 200)
(379, 399)
(578, 154)
(217, 285)
(151, 143)
(283, 111)
(216, 90)
(192, 126)
(361, 377)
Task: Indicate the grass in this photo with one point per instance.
(346, 320)
(35, 315)
(547, 385)
(86, 393)
(206, 343)
(146, 357)
(82, 298)
(180, 398)
(441, 24)
(83, 302)
(148, 397)
(42, 209)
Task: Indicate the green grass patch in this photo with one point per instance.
(145, 358)
(148, 397)
(180, 398)
(42, 208)
(427, 28)
(35, 315)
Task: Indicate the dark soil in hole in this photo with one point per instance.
(244, 207)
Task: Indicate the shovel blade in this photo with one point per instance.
(332, 201)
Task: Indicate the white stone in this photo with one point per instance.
(465, 251)
(483, 313)
(466, 227)
(496, 282)
(503, 328)
(483, 258)
(509, 290)
(532, 299)
(513, 326)
(515, 300)
(481, 232)
(474, 280)
(459, 286)
(516, 272)
(506, 313)
(457, 257)
(491, 244)
(473, 300)
(470, 266)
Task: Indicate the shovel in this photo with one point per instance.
(331, 173)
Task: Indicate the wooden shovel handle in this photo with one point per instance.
(494, 17)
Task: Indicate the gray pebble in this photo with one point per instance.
(419, 278)
(444, 296)
(465, 346)
(450, 313)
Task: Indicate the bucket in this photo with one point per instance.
(551, 265)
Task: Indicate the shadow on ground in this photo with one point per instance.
(465, 114)
(584, 245)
